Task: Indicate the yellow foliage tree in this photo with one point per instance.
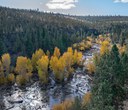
(29, 68)
(21, 80)
(36, 56)
(58, 67)
(42, 67)
(82, 46)
(77, 57)
(1, 74)
(89, 39)
(56, 52)
(70, 50)
(23, 68)
(21, 65)
(105, 46)
(66, 105)
(88, 44)
(1, 69)
(122, 49)
(68, 59)
(6, 61)
(86, 98)
(11, 78)
(91, 67)
(58, 107)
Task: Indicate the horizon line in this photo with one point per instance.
(43, 11)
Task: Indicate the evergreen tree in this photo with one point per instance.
(108, 90)
(2, 46)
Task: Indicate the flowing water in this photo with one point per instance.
(35, 98)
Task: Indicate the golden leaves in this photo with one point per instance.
(86, 98)
(62, 65)
(84, 44)
(91, 67)
(36, 56)
(67, 104)
(58, 66)
(11, 78)
(6, 61)
(105, 47)
(63, 106)
(42, 67)
(24, 69)
(56, 52)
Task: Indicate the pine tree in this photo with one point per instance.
(108, 89)
(117, 82)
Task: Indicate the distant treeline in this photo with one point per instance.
(117, 26)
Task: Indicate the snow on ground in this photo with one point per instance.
(80, 83)
(33, 98)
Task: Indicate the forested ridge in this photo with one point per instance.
(115, 25)
(24, 31)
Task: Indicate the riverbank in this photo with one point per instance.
(34, 97)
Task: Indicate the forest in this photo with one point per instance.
(29, 30)
(37, 46)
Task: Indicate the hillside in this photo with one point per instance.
(24, 31)
(106, 24)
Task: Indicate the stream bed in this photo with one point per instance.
(35, 98)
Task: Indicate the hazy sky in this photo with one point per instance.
(75, 7)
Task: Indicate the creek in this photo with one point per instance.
(35, 98)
